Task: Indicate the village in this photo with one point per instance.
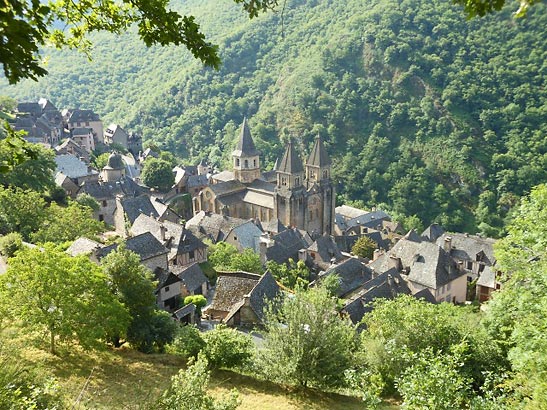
(286, 215)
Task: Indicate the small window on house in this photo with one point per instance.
(104, 203)
(283, 181)
(237, 162)
(312, 254)
(101, 218)
(498, 286)
(297, 181)
(167, 288)
(87, 123)
(254, 163)
(235, 238)
(191, 255)
(481, 267)
(246, 163)
(469, 265)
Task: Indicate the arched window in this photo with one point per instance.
(297, 181)
(325, 174)
(237, 162)
(254, 163)
(246, 163)
(283, 181)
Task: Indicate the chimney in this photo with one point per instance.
(448, 244)
(394, 262)
(376, 254)
(163, 230)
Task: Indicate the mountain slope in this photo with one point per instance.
(425, 112)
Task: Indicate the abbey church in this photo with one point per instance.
(295, 194)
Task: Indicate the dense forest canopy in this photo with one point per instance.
(432, 116)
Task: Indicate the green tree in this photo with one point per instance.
(364, 247)
(224, 256)
(132, 284)
(199, 302)
(30, 166)
(67, 297)
(433, 381)
(227, 348)
(88, 201)
(158, 174)
(291, 275)
(188, 390)
(27, 26)
(101, 160)
(10, 244)
(63, 224)
(21, 211)
(515, 315)
(306, 341)
(188, 342)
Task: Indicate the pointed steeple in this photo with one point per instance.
(245, 145)
(318, 155)
(291, 162)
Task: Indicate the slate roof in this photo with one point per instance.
(69, 142)
(261, 186)
(164, 278)
(145, 245)
(273, 226)
(287, 243)
(245, 146)
(291, 162)
(184, 311)
(133, 207)
(108, 190)
(231, 287)
(326, 248)
(214, 226)
(388, 285)
(71, 166)
(30, 107)
(78, 115)
(352, 274)
(349, 212)
(224, 176)
(467, 247)
(82, 246)
(197, 181)
(192, 277)
(228, 187)
(318, 155)
(82, 131)
(487, 278)
(433, 232)
(426, 263)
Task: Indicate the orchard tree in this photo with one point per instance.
(306, 341)
(364, 247)
(21, 211)
(188, 390)
(67, 297)
(63, 224)
(132, 284)
(158, 174)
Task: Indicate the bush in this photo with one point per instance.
(10, 244)
(227, 347)
(188, 342)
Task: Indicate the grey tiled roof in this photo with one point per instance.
(81, 131)
(388, 285)
(82, 246)
(197, 181)
(184, 311)
(192, 277)
(228, 187)
(470, 247)
(144, 245)
(108, 190)
(78, 115)
(273, 226)
(326, 248)
(291, 162)
(164, 278)
(286, 245)
(71, 166)
(487, 278)
(133, 207)
(214, 226)
(426, 263)
(351, 273)
(318, 155)
(265, 290)
(231, 287)
(432, 232)
(224, 176)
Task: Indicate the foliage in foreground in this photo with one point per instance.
(307, 343)
(66, 297)
(227, 348)
(188, 390)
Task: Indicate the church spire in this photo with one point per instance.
(318, 155)
(291, 162)
(245, 145)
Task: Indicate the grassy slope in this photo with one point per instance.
(126, 379)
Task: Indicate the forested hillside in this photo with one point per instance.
(426, 114)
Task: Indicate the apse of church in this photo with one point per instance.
(302, 196)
